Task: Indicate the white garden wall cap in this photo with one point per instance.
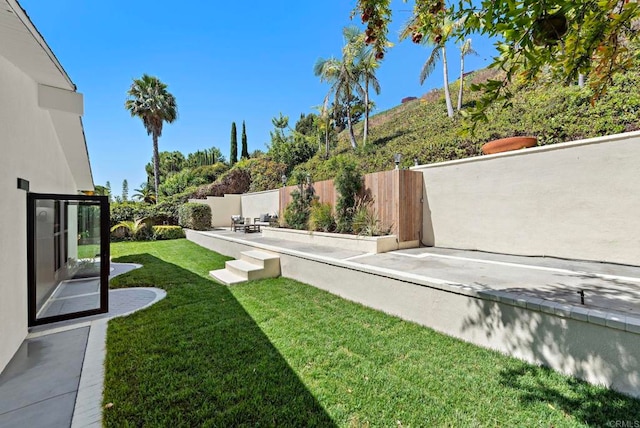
(632, 324)
(597, 317)
(580, 313)
(534, 303)
(563, 310)
(533, 150)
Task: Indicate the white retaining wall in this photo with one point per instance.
(578, 200)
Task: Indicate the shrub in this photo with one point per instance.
(136, 230)
(235, 181)
(167, 232)
(195, 216)
(296, 214)
(348, 183)
(166, 212)
(366, 221)
(265, 173)
(180, 181)
(210, 173)
(125, 211)
(321, 217)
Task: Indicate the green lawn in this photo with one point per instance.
(281, 353)
(88, 251)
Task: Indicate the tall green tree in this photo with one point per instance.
(342, 76)
(204, 157)
(149, 100)
(465, 49)
(170, 163)
(101, 190)
(125, 190)
(437, 37)
(290, 148)
(145, 194)
(233, 155)
(107, 185)
(571, 37)
(245, 148)
(365, 65)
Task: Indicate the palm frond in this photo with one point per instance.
(430, 64)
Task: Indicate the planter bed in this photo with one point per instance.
(366, 244)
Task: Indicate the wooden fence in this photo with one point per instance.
(396, 195)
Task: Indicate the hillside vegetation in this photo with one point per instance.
(421, 130)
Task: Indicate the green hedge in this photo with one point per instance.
(166, 212)
(195, 216)
(167, 232)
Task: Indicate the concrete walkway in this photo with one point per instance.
(56, 377)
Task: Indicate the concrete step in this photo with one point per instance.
(225, 277)
(269, 262)
(244, 269)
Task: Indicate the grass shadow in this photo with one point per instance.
(588, 404)
(197, 358)
(547, 338)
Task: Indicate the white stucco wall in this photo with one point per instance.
(30, 150)
(576, 200)
(248, 205)
(254, 204)
(222, 208)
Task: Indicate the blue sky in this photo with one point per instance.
(223, 61)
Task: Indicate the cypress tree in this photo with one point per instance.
(233, 156)
(245, 149)
(125, 190)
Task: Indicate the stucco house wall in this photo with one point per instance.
(39, 109)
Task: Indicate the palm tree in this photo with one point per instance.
(437, 37)
(133, 228)
(342, 75)
(153, 104)
(465, 50)
(144, 194)
(366, 65)
(323, 121)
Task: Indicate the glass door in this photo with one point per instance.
(68, 256)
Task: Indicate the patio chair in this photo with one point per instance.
(237, 222)
(266, 220)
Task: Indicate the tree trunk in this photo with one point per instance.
(326, 138)
(447, 93)
(352, 136)
(365, 133)
(581, 80)
(156, 165)
(461, 81)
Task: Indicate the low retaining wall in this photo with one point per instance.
(366, 244)
(600, 351)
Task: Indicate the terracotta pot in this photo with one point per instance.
(507, 144)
